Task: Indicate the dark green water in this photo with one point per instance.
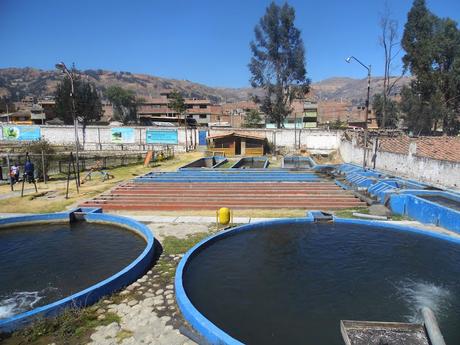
(292, 284)
(41, 264)
(442, 200)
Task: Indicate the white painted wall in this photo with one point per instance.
(314, 140)
(437, 172)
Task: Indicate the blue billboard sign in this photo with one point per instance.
(22, 133)
(157, 136)
(123, 135)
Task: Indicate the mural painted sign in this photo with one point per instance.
(123, 135)
(23, 133)
(154, 136)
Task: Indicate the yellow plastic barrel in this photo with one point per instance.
(224, 215)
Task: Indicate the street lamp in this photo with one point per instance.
(348, 59)
(62, 67)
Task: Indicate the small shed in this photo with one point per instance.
(236, 144)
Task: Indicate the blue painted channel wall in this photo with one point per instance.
(425, 211)
(213, 334)
(401, 195)
(93, 293)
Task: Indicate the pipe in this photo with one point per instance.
(432, 328)
(369, 216)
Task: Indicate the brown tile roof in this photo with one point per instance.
(442, 148)
(237, 134)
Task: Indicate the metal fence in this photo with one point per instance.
(56, 164)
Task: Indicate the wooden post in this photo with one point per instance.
(43, 167)
(76, 174)
(99, 138)
(23, 181)
(9, 171)
(68, 177)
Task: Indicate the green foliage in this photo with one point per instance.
(278, 62)
(6, 105)
(337, 124)
(174, 245)
(71, 326)
(124, 104)
(87, 103)
(177, 102)
(252, 119)
(391, 110)
(432, 46)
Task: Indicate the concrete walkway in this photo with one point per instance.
(168, 219)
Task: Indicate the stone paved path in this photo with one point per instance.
(147, 308)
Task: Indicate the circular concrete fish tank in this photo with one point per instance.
(50, 262)
(292, 281)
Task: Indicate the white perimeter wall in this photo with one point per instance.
(99, 137)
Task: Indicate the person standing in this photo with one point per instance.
(29, 170)
(14, 173)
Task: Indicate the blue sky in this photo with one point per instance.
(205, 41)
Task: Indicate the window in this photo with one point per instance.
(203, 116)
(203, 106)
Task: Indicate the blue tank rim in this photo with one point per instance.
(212, 333)
(93, 293)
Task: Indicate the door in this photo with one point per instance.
(202, 137)
(237, 146)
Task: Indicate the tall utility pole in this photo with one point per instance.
(62, 67)
(366, 116)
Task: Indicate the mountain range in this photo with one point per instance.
(16, 83)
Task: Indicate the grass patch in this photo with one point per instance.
(123, 334)
(72, 326)
(174, 245)
(348, 213)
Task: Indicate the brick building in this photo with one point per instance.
(158, 110)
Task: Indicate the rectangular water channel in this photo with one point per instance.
(442, 200)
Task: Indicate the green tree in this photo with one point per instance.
(252, 119)
(432, 47)
(177, 103)
(88, 106)
(385, 109)
(124, 104)
(278, 62)
(6, 105)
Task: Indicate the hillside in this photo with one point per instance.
(352, 89)
(20, 82)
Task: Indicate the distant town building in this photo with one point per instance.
(158, 110)
(304, 114)
(345, 112)
(237, 112)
